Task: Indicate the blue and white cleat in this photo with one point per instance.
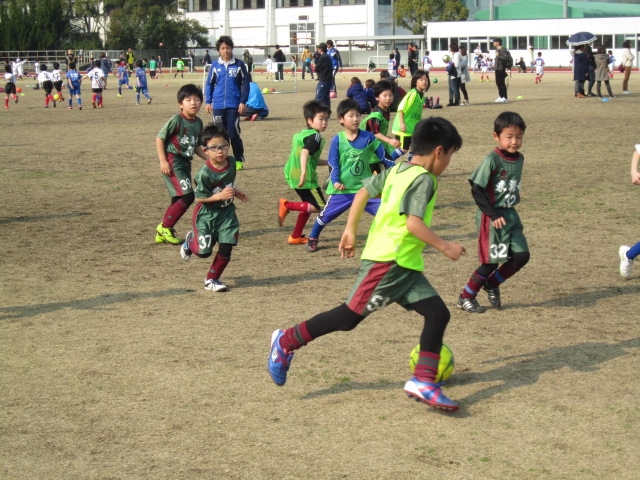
(429, 393)
(279, 360)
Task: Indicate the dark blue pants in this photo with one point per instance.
(323, 91)
(229, 118)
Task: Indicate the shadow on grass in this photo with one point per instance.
(518, 371)
(248, 281)
(515, 371)
(39, 218)
(584, 298)
(101, 302)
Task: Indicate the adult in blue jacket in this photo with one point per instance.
(226, 94)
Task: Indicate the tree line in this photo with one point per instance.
(63, 24)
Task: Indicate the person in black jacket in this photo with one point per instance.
(279, 57)
(324, 72)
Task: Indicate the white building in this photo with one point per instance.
(353, 25)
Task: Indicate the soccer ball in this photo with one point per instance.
(272, 90)
(445, 367)
(435, 80)
(18, 90)
(161, 44)
(446, 58)
(56, 97)
(265, 90)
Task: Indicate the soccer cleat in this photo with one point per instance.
(429, 393)
(626, 92)
(239, 165)
(312, 245)
(185, 251)
(94, 104)
(80, 107)
(215, 285)
(302, 240)
(626, 264)
(279, 360)
(70, 108)
(282, 211)
(470, 305)
(149, 101)
(166, 235)
(494, 296)
(119, 96)
(137, 103)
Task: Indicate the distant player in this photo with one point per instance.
(141, 83)
(539, 65)
(426, 62)
(97, 83)
(45, 80)
(123, 78)
(73, 85)
(10, 86)
(56, 78)
(484, 69)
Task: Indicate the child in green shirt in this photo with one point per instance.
(300, 170)
(392, 264)
(179, 68)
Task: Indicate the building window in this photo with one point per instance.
(293, 3)
(540, 43)
(302, 35)
(384, 2)
(329, 3)
(440, 44)
(245, 4)
(205, 5)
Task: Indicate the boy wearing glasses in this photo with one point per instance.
(214, 218)
(176, 143)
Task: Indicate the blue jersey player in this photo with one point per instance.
(141, 83)
(123, 78)
(73, 85)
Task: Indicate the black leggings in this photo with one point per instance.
(342, 318)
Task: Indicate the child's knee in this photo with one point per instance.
(188, 198)
(520, 259)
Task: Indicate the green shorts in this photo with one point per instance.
(214, 225)
(179, 182)
(381, 283)
(495, 245)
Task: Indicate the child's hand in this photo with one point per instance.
(303, 178)
(338, 186)
(499, 223)
(227, 193)
(403, 127)
(165, 168)
(242, 196)
(395, 143)
(347, 246)
(635, 178)
(454, 250)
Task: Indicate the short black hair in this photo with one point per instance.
(381, 86)
(212, 131)
(56, 65)
(139, 63)
(345, 105)
(497, 40)
(226, 39)
(433, 132)
(97, 63)
(43, 67)
(322, 46)
(189, 90)
(419, 74)
(72, 65)
(314, 107)
(508, 119)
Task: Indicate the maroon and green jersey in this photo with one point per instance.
(210, 180)
(500, 176)
(181, 136)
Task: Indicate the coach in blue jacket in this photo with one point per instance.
(226, 94)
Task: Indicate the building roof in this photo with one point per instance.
(540, 9)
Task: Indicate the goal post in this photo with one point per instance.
(187, 62)
(380, 62)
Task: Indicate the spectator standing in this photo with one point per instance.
(502, 59)
(580, 71)
(336, 63)
(248, 60)
(324, 72)
(413, 58)
(279, 58)
(207, 58)
(306, 58)
(627, 62)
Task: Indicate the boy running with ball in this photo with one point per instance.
(495, 186)
(391, 268)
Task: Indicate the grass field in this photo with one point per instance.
(116, 364)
